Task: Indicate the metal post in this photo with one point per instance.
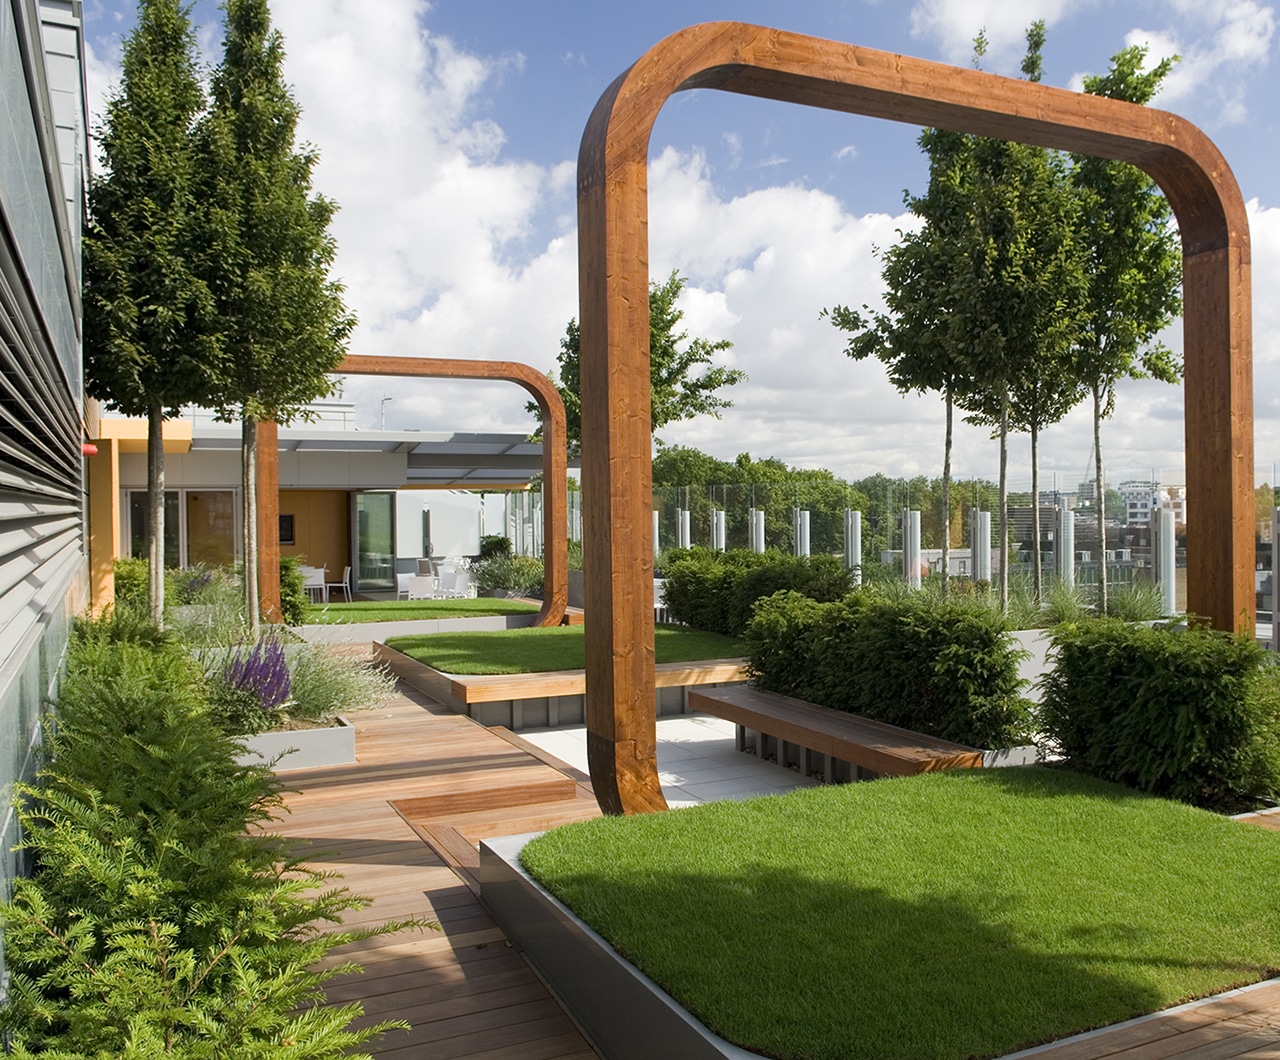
(1067, 547)
(686, 531)
(1275, 588)
(655, 532)
(1168, 543)
(804, 532)
(982, 547)
(913, 549)
(719, 531)
(758, 522)
(853, 543)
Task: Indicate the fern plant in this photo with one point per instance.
(162, 919)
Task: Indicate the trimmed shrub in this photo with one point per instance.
(495, 546)
(938, 668)
(717, 591)
(293, 591)
(1186, 714)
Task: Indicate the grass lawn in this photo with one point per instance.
(528, 651)
(950, 915)
(409, 610)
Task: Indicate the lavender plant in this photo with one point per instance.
(251, 687)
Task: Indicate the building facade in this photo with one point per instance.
(43, 569)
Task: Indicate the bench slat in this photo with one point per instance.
(864, 742)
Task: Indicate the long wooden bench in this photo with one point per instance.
(847, 746)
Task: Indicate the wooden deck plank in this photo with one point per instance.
(465, 989)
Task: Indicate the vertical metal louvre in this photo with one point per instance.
(40, 471)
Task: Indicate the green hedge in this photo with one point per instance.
(716, 591)
(1186, 714)
(941, 668)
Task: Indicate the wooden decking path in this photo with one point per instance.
(426, 773)
(466, 992)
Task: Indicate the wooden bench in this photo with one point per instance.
(846, 746)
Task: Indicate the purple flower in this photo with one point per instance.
(262, 671)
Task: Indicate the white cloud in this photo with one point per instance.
(953, 24)
(434, 244)
(1239, 36)
(434, 227)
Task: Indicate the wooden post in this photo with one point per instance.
(613, 264)
(555, 459)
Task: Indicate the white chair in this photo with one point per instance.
(402, 586)
(313, 581)
(344, 585)
(421, 587)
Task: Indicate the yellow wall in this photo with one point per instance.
(104, 522)
(321, 521)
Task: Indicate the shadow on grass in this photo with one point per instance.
(851, 972)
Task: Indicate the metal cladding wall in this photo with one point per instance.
(43, 569)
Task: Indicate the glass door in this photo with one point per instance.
(375, 541)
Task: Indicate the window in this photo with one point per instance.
(199, 527)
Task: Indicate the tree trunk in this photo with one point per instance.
(155, 509)
(1004, 508)
(946, 502)
(1035, 515)
(249, 507)
(1101, 503)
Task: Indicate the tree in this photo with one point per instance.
(285, 322)
(676, 393)
(1019, 285)
(1046, 385)
(1134, 271)
(915, 338)
(151, 334)
(985, 293)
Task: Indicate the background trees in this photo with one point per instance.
(676, 392)
(152, 339)
(1032, 282)
(1134, 270)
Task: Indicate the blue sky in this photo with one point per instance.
(448, 132)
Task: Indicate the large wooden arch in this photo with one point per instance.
(555, 461)
(555, 468)
(614, 283)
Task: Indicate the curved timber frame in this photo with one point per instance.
(614, 313)
(555, 461)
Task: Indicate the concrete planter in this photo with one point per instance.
(577, 590)
(625, 1015)
(303, 748)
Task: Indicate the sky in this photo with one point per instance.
(448, 132)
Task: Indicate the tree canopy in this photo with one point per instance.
(678, 391)
(285, 323)
(152, 335)
(1134, 266)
